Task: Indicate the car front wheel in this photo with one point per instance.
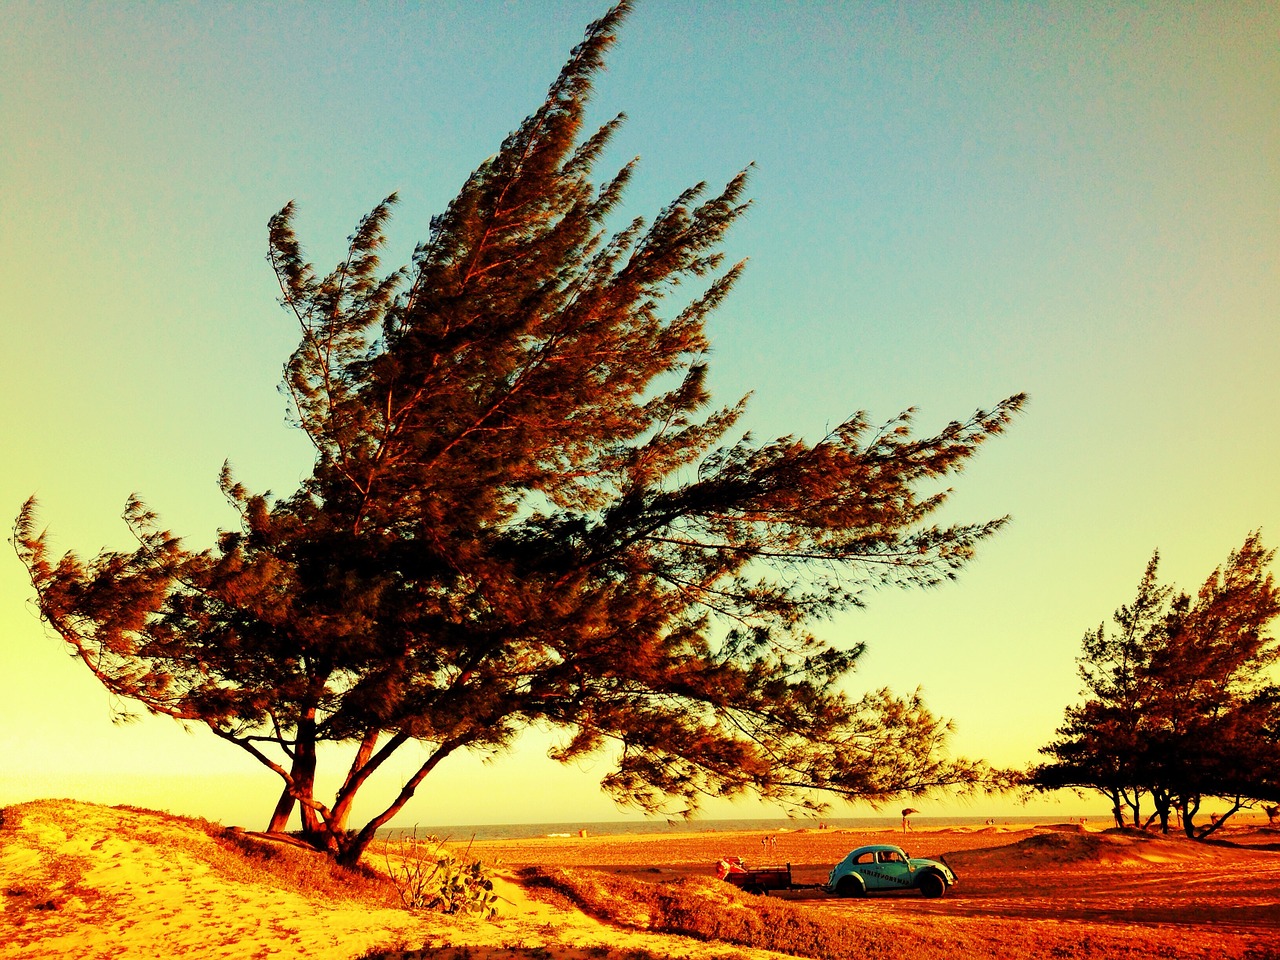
(932, 886)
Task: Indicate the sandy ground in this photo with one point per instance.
(1103, 883)
(89, 882)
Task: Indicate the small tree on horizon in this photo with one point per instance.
(524, 512)
(1098, 744)
(1181, 700)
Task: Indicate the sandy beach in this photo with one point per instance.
(87, 881)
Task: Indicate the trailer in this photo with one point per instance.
(760, 880)
(754, 879)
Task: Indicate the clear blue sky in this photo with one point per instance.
(953, 202)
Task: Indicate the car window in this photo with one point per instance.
(866, 858)
(890, 856)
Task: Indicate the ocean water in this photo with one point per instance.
(524, 831)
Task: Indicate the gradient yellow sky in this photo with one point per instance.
(953, 202)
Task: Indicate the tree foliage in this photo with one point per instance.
(524, 512)
(1182, 702)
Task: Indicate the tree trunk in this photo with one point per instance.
(303, 774)
(1163, 802)
(351, 848)
(299, 782)
(1218, 822)
(362, 767)
(1135, 805)
(1190, 806)
(284, 809)
(1116, 810)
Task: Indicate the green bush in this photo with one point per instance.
(430, 876)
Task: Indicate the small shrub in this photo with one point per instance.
(429, 876)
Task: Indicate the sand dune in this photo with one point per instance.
(87, 882)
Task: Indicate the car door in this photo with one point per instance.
(893, 870)
(865, 866)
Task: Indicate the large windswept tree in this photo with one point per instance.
(524, 512)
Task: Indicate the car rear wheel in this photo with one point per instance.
(849, 887)
(932, 885)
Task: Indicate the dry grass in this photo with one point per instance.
(515, 951)
(303, 871)
(276, 862)
(709, 909)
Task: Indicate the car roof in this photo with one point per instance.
(876, 848)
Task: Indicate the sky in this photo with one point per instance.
(952, 203)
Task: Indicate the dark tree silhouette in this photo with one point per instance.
(1181, 701)
(523, 512)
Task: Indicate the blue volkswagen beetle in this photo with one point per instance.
(882, 866)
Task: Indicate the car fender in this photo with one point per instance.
(852, 876)
(925, 871)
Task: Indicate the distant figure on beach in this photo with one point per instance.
(1272, 813)
(906, 822)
